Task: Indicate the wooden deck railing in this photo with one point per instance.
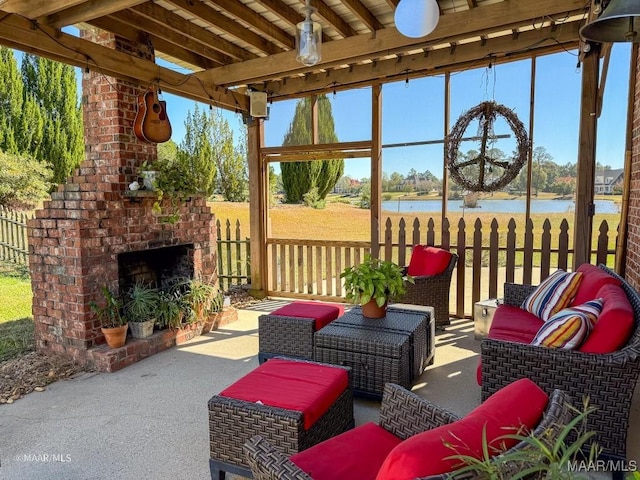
(13, 236)
(234, 256)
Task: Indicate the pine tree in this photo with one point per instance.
(52, 85)
(299, 178)
(11, 89)
(196, 151)
(232, 162)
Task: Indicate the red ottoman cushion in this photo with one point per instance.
(322, 313)
(303, 387)
(593, 279)
(355, 454)
(519, 404)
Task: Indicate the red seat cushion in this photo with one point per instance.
(303, 387)
(353, 455)
(514, 324)
(322, 313)
(593, 279)
(428, 261)
(614, 325)
(517, 408)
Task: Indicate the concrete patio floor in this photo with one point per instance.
(149, 421)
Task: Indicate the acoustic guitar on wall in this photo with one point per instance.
(152, 122)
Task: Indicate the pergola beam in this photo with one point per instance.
(38, 8)
(88, 11)
(18, 32)
(388, 41)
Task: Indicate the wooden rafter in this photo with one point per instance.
(354, 49)
(251, 18)
(287, 14)
(208, 59)
(416, 65)
(332, 18)
(222, 22)
(363, 14)
(157, 19)
(88, 11)
(37, 8)
(18, 32)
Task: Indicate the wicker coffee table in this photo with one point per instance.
(396, 348)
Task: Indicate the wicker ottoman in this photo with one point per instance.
(288, 331)
(292, 403)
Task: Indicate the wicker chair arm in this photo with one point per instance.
(268, 463)
(516, 293)
(405, 414)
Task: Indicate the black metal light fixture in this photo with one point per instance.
(619, 22)
(308, 38)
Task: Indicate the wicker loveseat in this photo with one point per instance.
(358, 454)
(608, 379)
(432, 291)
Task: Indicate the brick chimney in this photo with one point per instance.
(81, 238)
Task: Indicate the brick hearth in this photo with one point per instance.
(76, 238)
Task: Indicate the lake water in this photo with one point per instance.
(496, 206)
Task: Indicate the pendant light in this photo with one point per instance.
(417, 18)
(619, 22)
(308, 38)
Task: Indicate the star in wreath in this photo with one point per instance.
(484, 178)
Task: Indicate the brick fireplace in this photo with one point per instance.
(92, 233)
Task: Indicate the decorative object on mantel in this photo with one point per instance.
(417, 18)
(490, 174)
(619, 22)
(308, 38)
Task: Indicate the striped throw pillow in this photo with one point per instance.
(569, 327)
(553, 294)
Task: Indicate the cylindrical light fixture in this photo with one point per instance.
(416, 18)
(308, 39)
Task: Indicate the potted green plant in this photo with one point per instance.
(372, 283)
(113, 325)
(141, 308)
(203, 297)
(170, 309)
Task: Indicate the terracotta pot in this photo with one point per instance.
(372, 310)
(117, 336)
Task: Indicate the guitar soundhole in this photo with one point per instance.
(156, 108)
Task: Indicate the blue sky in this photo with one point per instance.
(414, 111)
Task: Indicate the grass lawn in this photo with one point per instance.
(16, 323)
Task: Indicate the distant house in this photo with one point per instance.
(605, 180)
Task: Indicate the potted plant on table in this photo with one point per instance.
(141, 308)
(113, 325)
(372, 283)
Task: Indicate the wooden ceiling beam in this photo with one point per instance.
(496, 49)
(87, 11)
(161, 20)
(364, 14)
(287, 14)
(350, 50)
(195, 45)
(332, 18)
(18, 32)
(257, 21)
(393, 3)
(472, 3)
(181, 53)
(224, 23)
(37, 8)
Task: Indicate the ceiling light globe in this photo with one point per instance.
(417, 18)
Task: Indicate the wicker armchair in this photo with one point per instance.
(432, 291)
(404, 414)
(607, 379)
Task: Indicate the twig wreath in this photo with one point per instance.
(486, 114)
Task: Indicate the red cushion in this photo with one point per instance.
(322, 313)
(354, 455)
(615, 323)
(593, 279)
(428, 261)
(514, 324)
(303, 387)
(519, 404)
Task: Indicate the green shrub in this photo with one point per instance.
(24, 182)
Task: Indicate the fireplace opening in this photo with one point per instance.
(158, 267)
